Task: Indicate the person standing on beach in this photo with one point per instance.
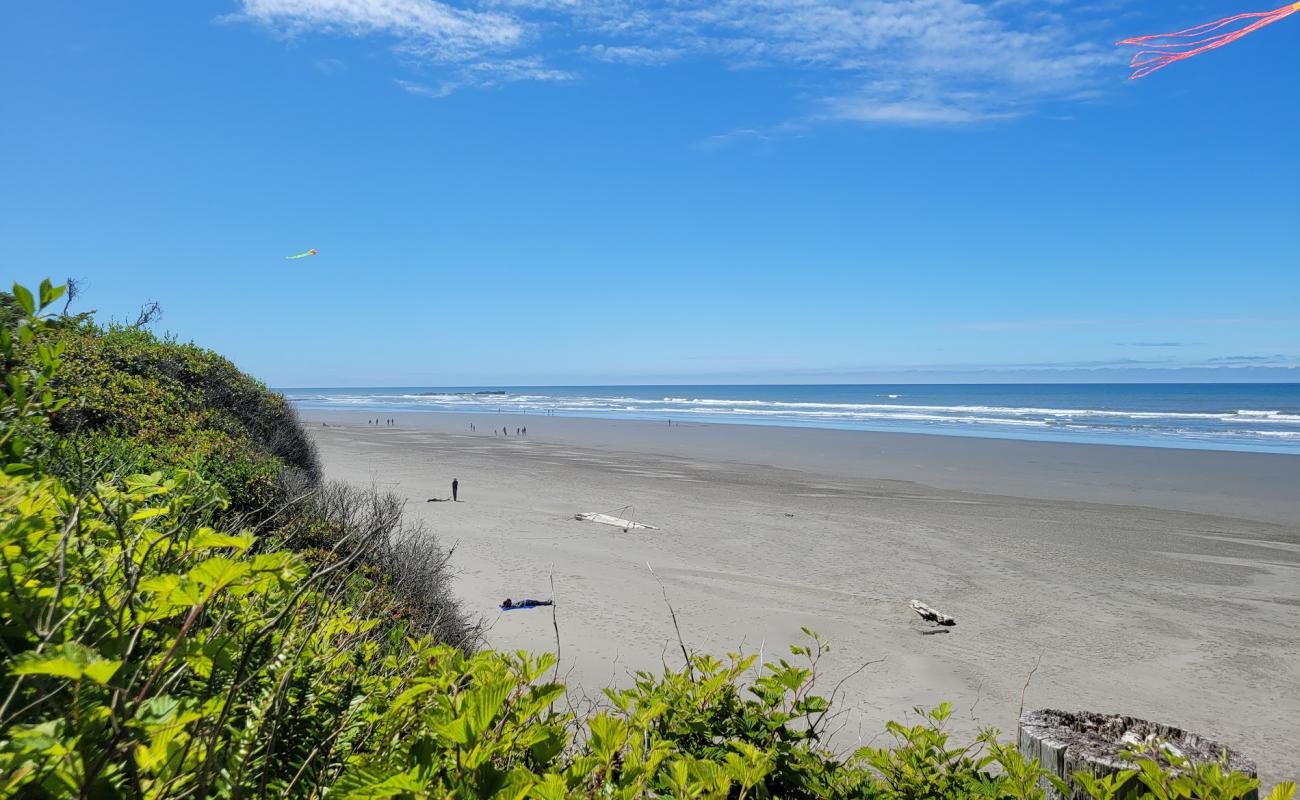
(455, 490)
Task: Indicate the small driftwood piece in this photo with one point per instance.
(932, 615)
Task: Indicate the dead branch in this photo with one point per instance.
(149, 312)
(681, 643)
(1028, 678)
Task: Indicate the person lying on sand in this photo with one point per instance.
(511, 605)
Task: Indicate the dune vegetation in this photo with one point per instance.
(188, 610)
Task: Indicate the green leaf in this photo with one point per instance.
(147, 513)
(457, 730)
(52, 664)
(71, 660)
(208, 538)
(24, 298)
(139, 481)
(486, 702)
(217, 573)
(367, 784)
(49, 292)
(102, 672)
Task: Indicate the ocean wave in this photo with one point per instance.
(983, 413)
(1246, 415)
(1267, 427)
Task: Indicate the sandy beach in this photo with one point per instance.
(1158, 583)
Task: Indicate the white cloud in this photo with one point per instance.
(1008, 326)
(910, 62)
(484, 75)
(630, 54)
(429, 28)
(329, 66)
(423, 90)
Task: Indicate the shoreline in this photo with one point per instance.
(1220, 417)
(1249, 485)
(1177, 616)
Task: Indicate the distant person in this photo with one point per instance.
(525, 430)
(455, 490)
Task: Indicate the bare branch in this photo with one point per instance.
(690, 669)
(1028, 678)
(150, 312)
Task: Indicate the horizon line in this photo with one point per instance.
(789, 383)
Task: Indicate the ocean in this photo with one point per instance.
(1246, 417)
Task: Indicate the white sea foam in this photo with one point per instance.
(1274, 428)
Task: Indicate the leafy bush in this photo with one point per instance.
(153, 403)
(154, 650)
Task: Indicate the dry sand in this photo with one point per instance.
(1158, 583)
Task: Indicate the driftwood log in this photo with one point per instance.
(1067, 742)
(931, 614)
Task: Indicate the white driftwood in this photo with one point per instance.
(617, 522)
(932, 615)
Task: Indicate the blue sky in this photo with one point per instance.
(601, 191)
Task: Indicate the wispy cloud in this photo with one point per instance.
(1276, 359)
(884, 62)
(1009, 326)
(427, 28)
(484, 75)
(1158, 344)
(630, 54)
(329, 66)
(424, 90)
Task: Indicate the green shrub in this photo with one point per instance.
(155, 403)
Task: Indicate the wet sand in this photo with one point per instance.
(1158, 583)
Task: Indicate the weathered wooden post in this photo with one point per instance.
(1067, 742)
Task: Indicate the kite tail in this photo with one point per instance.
(1166, 48)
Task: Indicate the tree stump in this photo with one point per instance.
(1067, 742)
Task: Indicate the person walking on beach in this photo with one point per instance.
(455, 490)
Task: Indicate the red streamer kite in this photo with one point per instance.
(1163, 49)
